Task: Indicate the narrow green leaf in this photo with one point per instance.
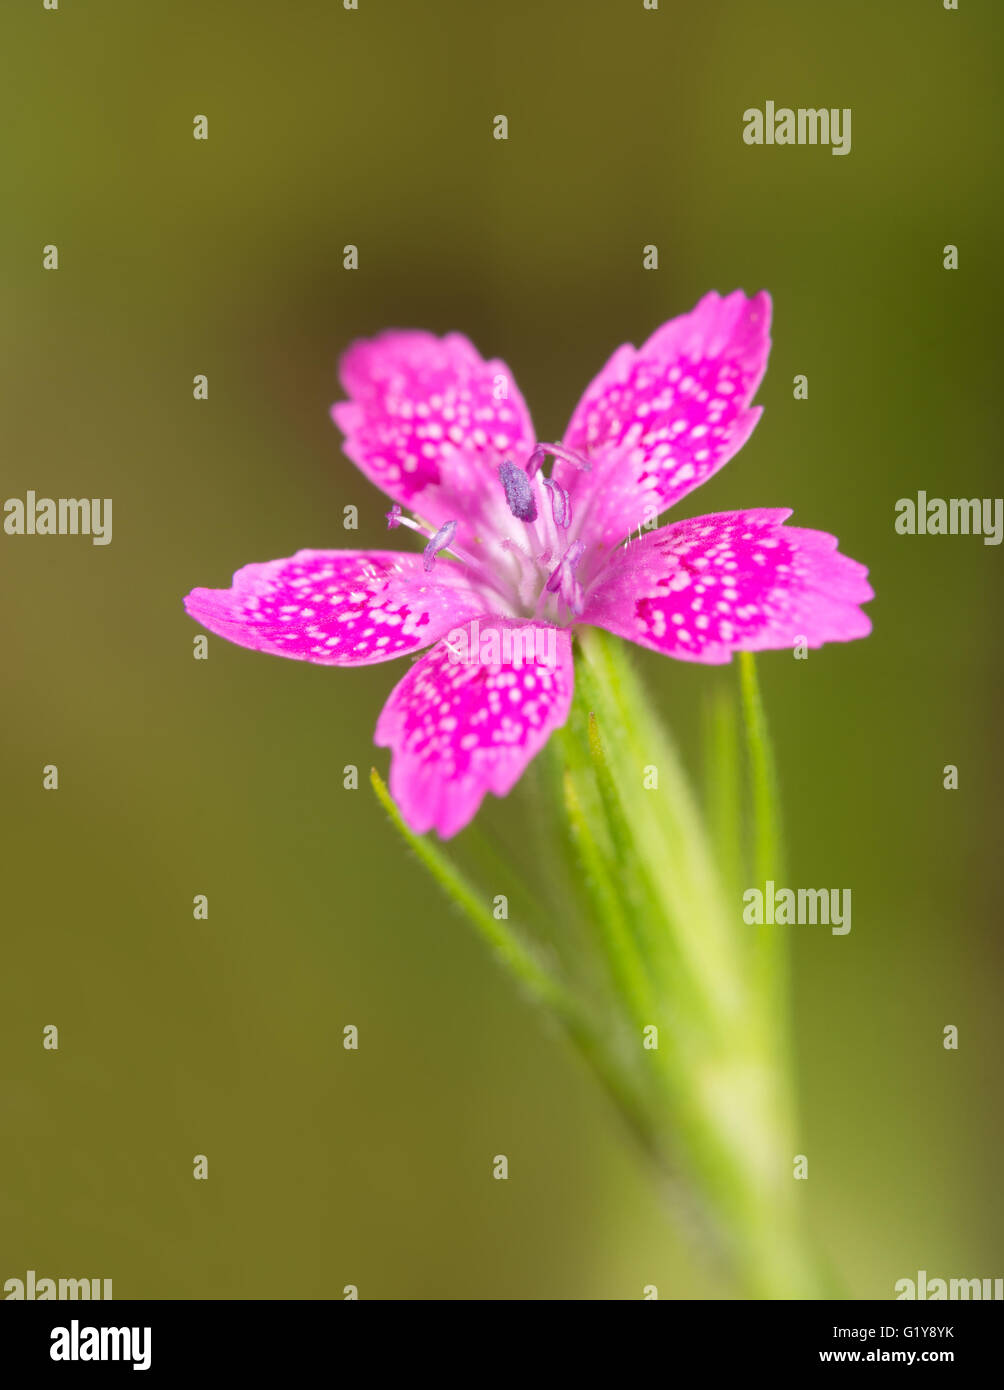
(723, 785)
(540, 983)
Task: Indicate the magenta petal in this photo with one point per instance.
(659, 420)
(429, 422)
(458, 730)
(737, 581)
(337, 607)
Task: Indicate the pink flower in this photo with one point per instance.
(514, 560)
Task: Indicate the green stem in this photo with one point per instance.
(723, 791)
(616, 937)
(763, 774)
(771, 964)
(712, 1099)
(727, 1065)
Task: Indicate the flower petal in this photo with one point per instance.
(459, 728)
(737, 581)
(337, 607)
(430, 422)
(659, 420)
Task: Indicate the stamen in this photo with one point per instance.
(561, 505)
(518, 492)
(565, 568)
(567, 456)
(440, 541)
(535, 460)
(396, 518)
(509, 544)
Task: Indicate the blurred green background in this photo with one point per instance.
(224, 777)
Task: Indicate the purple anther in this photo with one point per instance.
(394, 517)
(561, 505)
(440, 541)
(518, 492)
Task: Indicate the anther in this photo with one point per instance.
(561, 505)
(518, 492)
(440, 541)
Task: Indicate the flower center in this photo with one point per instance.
(524, 564)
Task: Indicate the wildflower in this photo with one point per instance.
(448, 438)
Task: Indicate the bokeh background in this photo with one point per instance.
(224, 777)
